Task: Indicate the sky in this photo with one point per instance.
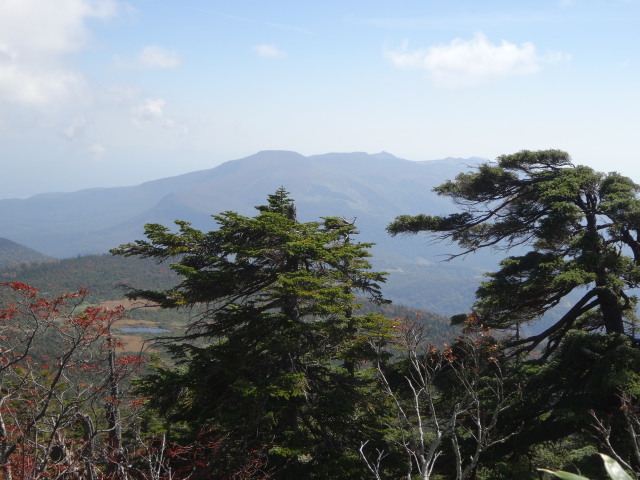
(102, 93)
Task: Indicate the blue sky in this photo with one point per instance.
(108, 93)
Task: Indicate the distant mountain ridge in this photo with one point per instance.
(12, 253)
(370, 188)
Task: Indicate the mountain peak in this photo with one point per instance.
(276, 155)
(385, 156)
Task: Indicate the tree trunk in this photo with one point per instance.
(116, 467)
(87, 452)
(611, 311)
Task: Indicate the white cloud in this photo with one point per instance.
(152, 110)
(36, 86)
(269, 51)
(35, 36)
(76, 131)
(43, 26)
(464, 63)
(154, 56)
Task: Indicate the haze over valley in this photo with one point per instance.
(368, 189)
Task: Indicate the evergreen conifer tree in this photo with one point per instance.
(274, 368)
(583, 231)
(577, 237)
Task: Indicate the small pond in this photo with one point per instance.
(142, 330)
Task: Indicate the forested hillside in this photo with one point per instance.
(12, 253)
(104, 276)
(108, 278)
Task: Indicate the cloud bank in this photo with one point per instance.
(463, 63)
(35, 36)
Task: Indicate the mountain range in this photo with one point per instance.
(370, 189)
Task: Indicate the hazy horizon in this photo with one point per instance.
(101, 93)
(216, 165)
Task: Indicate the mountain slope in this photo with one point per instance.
(12, 253)
(372, 189)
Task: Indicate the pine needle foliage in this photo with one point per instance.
(582, 232)
(277, 360)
